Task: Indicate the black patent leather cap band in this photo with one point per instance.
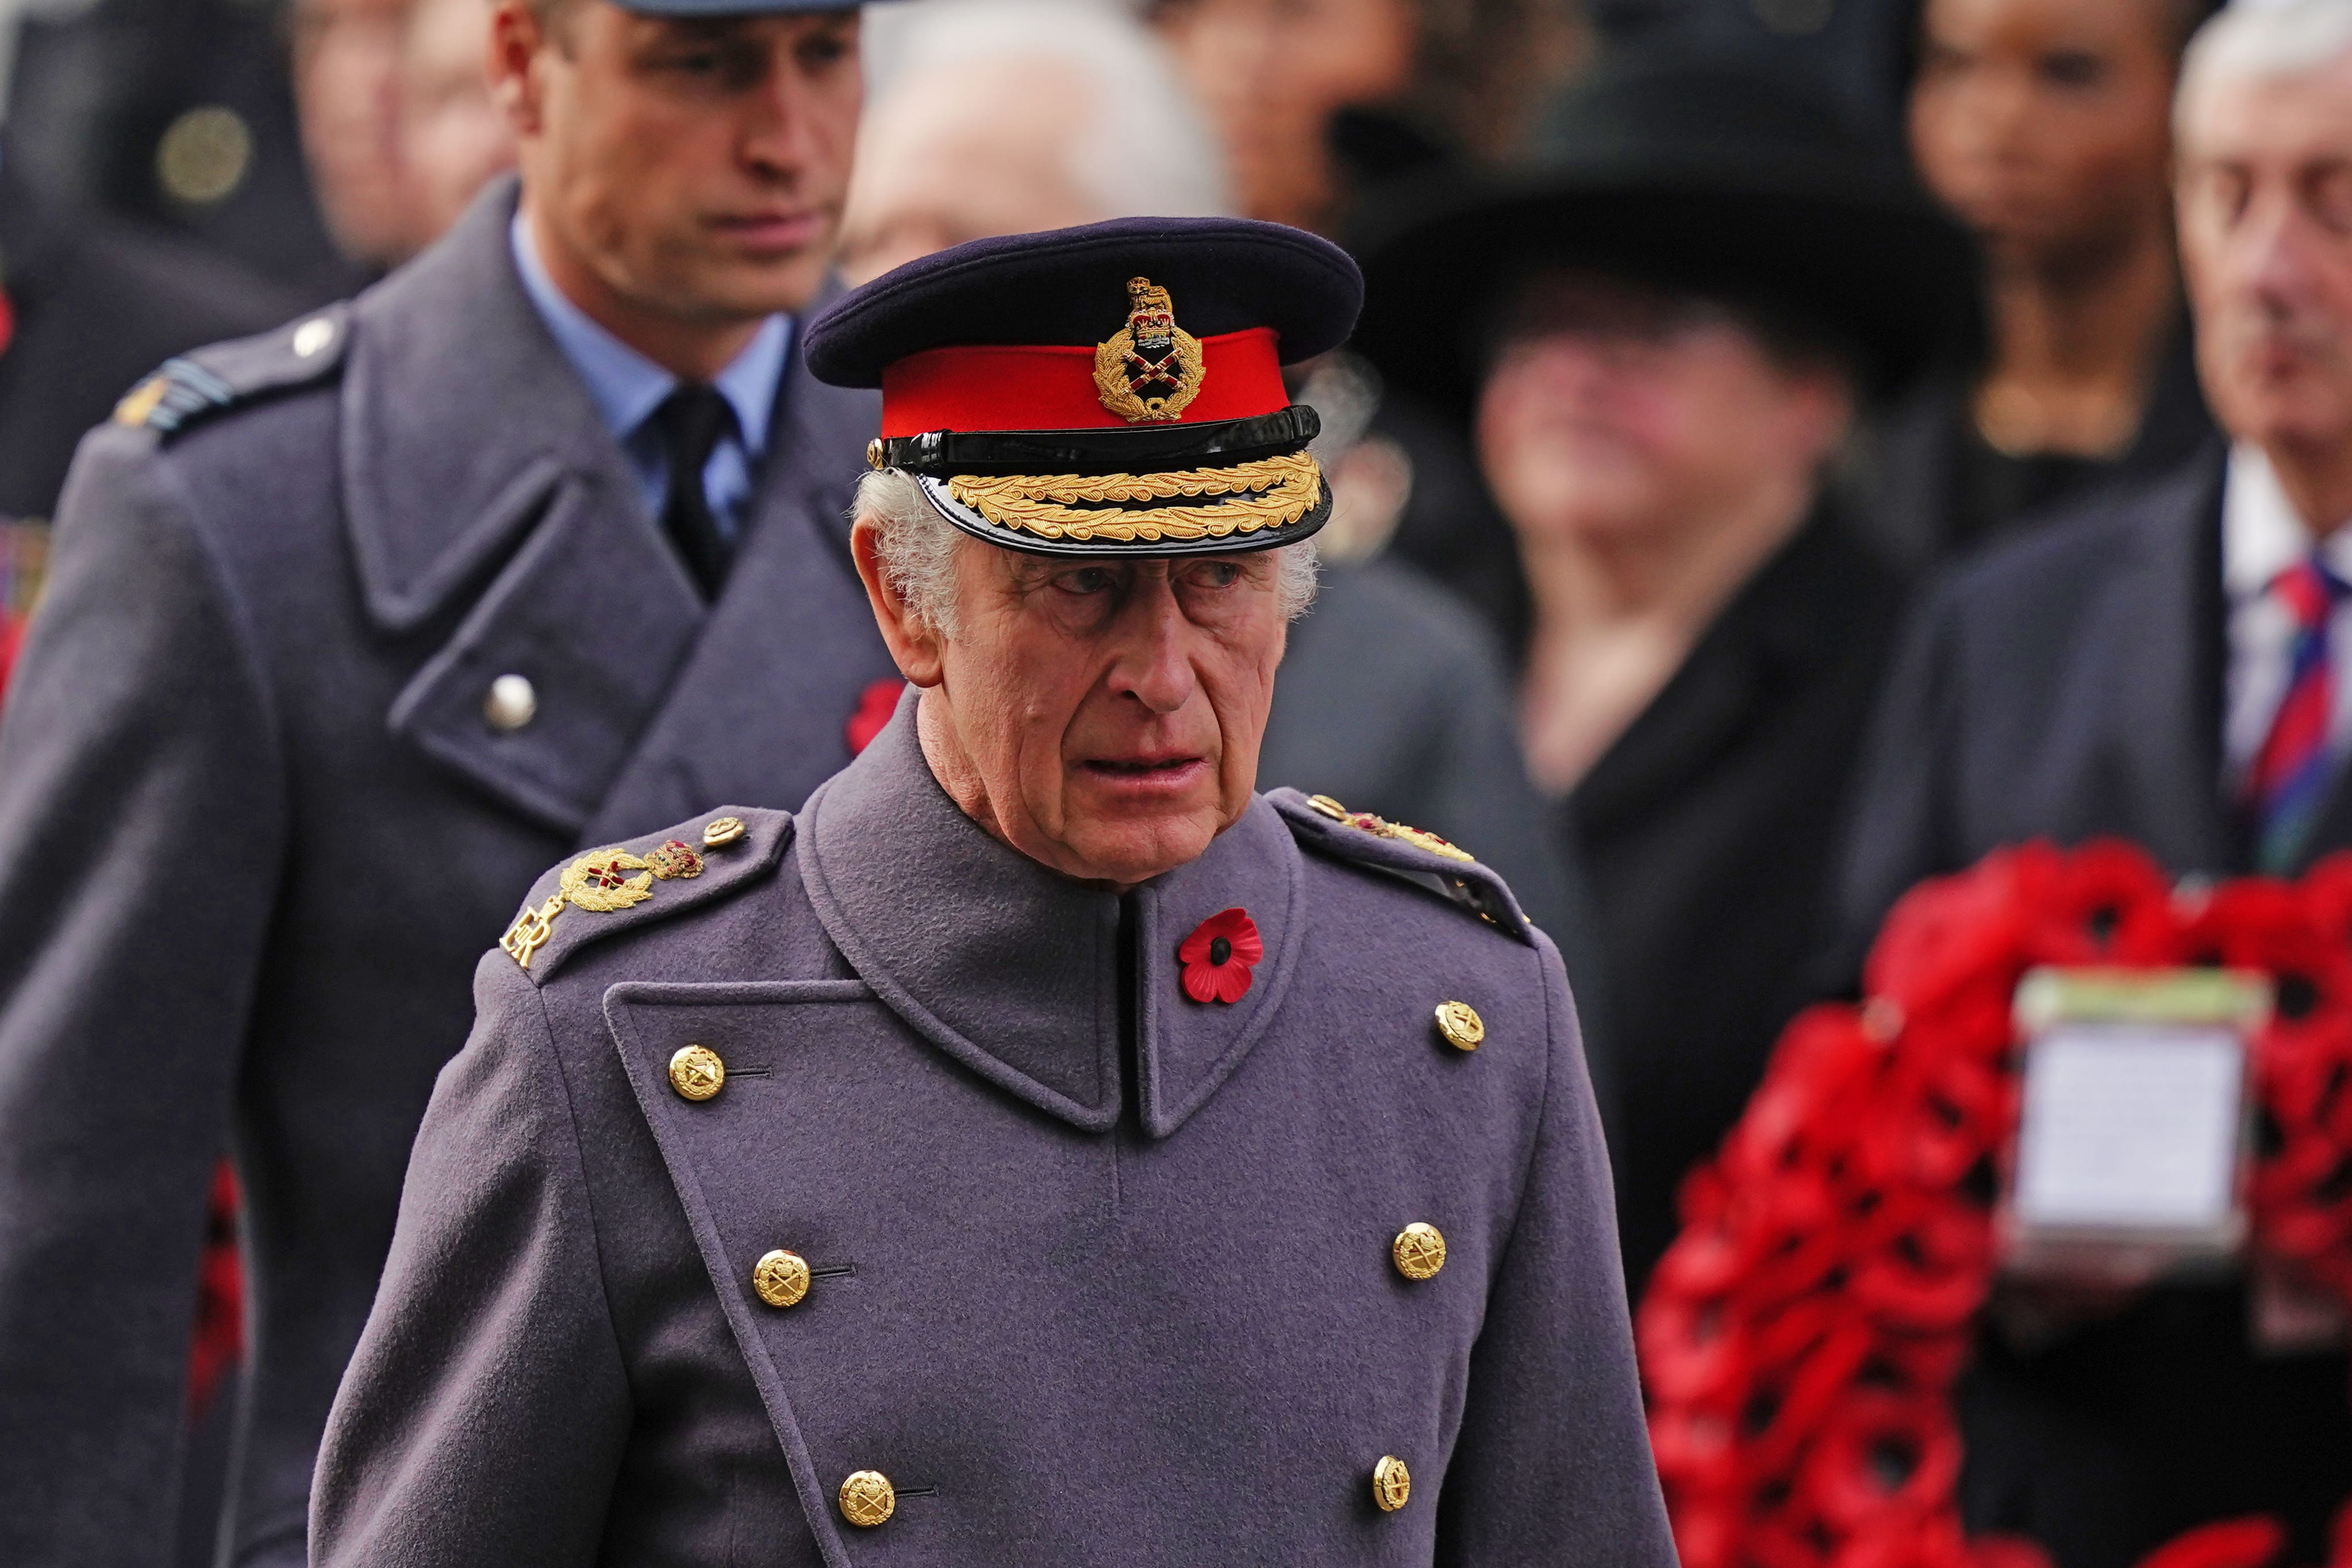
(1138, 449)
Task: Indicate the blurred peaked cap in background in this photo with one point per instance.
(1713, 172)
(1226, 274)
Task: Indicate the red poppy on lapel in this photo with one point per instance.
(1219, 955)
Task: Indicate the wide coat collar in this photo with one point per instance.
(1016, 971)
(487, 505)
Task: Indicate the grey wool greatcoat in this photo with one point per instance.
(255, 828)
(1098, 1274)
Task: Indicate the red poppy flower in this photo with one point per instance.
(875, 706)
(1219, 955)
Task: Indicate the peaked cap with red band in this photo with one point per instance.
(1110, 390)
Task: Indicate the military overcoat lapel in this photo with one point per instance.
(759, 709)
(473, 461)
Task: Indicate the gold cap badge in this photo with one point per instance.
(1151, 369)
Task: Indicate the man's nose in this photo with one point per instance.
(1153, 664)
(781, 138)
(2275, 251)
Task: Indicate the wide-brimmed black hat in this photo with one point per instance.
(1699, 172)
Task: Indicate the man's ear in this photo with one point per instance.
(516, 37)
(914, 644)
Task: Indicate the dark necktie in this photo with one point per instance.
(693, 420)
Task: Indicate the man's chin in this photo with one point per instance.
(1135, 847)
(747, 288)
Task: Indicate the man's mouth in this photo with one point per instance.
(774, 230)
(1141, 768)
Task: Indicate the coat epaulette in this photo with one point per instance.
(197, 386)
(1323, 824)
(609, 890)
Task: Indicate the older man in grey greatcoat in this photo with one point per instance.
(352, 628)
(1042, 1149)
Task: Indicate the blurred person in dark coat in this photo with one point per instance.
(91, 304)
(1665, 327)
(352, 628)
(2168, 664)
(177, 114)
(2045, 125)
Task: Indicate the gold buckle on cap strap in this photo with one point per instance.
(1269, 492)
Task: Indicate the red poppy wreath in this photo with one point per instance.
(1800, 1339)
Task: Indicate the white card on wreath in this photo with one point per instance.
(2133, 1133)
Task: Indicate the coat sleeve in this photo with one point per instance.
(1552, 1465)
(1900, 831)
(141, 826)
(483, 1416)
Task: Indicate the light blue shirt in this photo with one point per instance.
(627, 387)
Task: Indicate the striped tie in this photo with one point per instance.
(2290, 775)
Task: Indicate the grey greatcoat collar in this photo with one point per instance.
(1013, 970)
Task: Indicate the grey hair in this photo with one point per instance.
(918, 547)
(1176, 169)
(2265, 38)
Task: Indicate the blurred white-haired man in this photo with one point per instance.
(989, 117)
(2171, 665)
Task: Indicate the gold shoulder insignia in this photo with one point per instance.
(139, 404)
(1382, 827)
(602, 883)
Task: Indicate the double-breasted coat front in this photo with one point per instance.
(1094, 1272)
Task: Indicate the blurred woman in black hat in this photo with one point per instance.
(1661, 332)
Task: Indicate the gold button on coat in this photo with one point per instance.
(1391, 1483)
(867, 1498)
(697, 1073)
(1460, 1023)
(780, 1278)
(719, 834)
(1419, 1250)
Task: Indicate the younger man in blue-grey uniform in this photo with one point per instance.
(1042, 1149)
(351, 628)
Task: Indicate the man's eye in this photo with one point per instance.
(1084, 580)
(2072, 67)
(1217, 573)
(818, 53)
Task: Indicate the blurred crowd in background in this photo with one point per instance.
(1659, 512)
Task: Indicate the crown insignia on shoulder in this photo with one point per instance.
(1382, 827)
(609, 880)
